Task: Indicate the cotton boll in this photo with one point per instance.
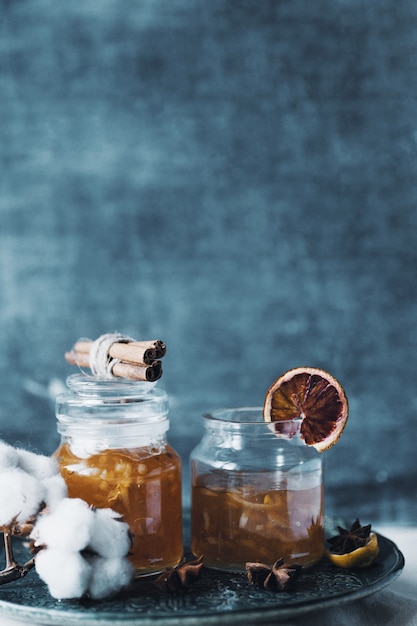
(55, 490)
(37, 465)
(67, 574)
(8, 455)
(110, 537)
(109, 576)
(21, 496)
(68, 527)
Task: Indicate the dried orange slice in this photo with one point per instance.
(361, 557)
(315, 397)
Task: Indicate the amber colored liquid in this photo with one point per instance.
(231, 527)
(144, 487)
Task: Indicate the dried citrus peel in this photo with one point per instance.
(361, 557)
(313, 396)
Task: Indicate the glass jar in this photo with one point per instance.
(114, 453)
(256, 492)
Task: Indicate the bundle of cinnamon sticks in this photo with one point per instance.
(136, 360)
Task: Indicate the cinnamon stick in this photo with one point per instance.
(139, 371)
(77, 358)
(156, 344)
(136, 352)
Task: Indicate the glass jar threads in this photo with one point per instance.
(114, 454)
(256, 492)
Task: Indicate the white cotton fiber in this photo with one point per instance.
(55, 490)
(8, 456)
(67, 574)
(110, 537)
(68, 527)
(20, 496)
(37, 465)
(108, 576)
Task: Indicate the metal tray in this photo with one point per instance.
(218, 597)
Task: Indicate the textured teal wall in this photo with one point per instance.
(237, 178)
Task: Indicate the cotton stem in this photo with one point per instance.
(13, 571)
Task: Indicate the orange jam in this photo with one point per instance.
(231, 526)
(143, 485)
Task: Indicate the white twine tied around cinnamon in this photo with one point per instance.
(101, 363)
(114, 355)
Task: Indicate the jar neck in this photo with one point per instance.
(248, 424)
(85, 447)
(101, 413)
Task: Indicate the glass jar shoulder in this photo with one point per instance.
(135, 462)
(268, 453)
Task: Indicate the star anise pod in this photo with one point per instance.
(349, 540)
(279, 577)
(180, 577)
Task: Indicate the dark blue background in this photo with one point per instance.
(237, 178)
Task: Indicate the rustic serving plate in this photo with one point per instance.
(218, 597)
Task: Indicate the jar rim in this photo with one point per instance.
(243, 415)
(88, 385)
(250, 420)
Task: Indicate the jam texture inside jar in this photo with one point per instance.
(114, 454)
(256, 494)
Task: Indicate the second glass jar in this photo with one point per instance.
(114, 454)
(256, 492)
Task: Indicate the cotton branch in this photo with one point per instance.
(12, 570)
